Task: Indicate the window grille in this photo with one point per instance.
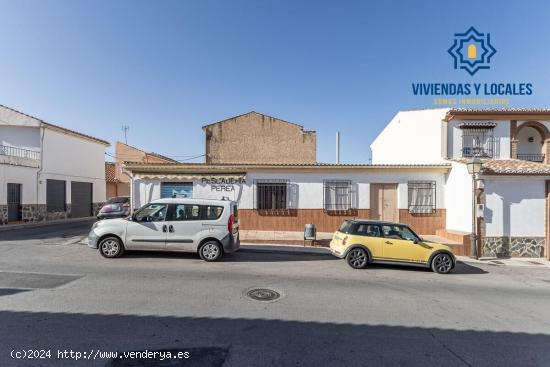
(422, 199)
(478, 142)
(272, 195)
(337, 195)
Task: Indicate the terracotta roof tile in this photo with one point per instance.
(511, 167)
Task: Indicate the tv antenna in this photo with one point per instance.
(125, 129)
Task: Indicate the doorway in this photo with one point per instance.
(383, 202)
(14, 202)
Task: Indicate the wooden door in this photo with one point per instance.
(383, 202)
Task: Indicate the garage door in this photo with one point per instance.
(81, 199)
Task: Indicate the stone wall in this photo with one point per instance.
(3, 214)
(513, 246)
(38, 213)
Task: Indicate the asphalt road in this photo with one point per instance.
(56, 294)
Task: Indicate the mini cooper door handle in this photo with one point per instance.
(164, 228)
(171, 228)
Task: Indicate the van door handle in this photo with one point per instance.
(171, 228)
(164, 228)
(389, 243)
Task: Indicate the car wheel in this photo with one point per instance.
(442, 263)
(357, 258)
(210, 251)
(111, 247)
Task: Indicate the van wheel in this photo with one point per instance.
(211, 251)
(111, 247)
(357, 258)
(442, 263)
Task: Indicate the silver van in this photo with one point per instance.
(207, 227)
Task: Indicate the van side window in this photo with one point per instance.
(212, 212)
(151, 213)
(183, 212)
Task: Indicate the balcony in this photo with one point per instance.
(539, 158)
(19, 156)
(482, 152)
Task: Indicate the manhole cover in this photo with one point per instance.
(263, 294)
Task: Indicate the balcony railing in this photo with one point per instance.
(532, 157)
(19, 152)
(468, 152)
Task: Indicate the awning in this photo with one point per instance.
(189, 177)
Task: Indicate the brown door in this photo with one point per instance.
(383, 202)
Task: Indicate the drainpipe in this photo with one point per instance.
(131, 189)
(42, 129)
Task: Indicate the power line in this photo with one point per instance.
(179, 160)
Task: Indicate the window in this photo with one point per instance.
(186, 212)
(152, 213)
(176, 189)
(421, 197)
(337, 195)
(478, 141)
(271, 195)
(212, 212)
(345, 226)
(369, 230)
(399, 233)
(56, 196)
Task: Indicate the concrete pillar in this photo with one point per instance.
(513, 139)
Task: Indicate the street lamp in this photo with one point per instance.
(474, 165)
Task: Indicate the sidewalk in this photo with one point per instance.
(538, 262)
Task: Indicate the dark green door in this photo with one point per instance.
(14, 202)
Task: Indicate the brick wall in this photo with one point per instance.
(257, 138)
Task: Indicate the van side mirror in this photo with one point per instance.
(415, 242)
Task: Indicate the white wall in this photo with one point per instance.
(20, 137)
(21, 175)
(501, 133)
(411, 137)
(67, 157)
(458, 198)
(515, 207)
(309, 187)
(526, 147)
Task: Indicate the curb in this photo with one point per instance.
(283, 249)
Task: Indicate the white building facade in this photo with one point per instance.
(513, 146)
(281, 198)
(48, 172)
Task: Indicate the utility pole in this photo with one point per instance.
(125, 129)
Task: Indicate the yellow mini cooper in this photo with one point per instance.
(362, 242)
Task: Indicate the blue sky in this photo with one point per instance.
(165, 68)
